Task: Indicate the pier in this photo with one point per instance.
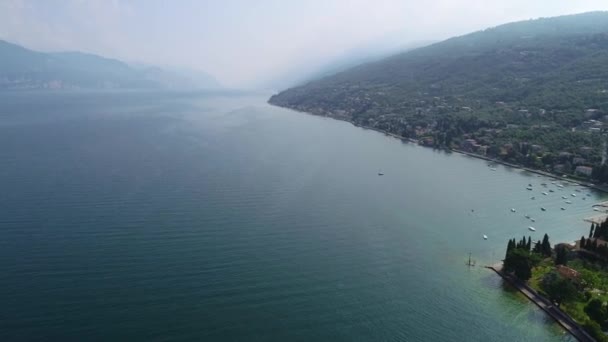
(558, 315)
(599, 219)
(602, 204)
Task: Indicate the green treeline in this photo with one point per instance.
(572, 278)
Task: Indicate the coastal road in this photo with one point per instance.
(564, 320)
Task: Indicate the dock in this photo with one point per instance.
(558, 315)
(601, 204)
(599, 219)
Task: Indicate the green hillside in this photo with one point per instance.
(536, 82)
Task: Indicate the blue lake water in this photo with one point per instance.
(200, 217)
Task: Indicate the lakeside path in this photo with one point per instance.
(558, 315)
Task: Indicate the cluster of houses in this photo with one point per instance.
(422, 124)
(593, 126)
(565, 162)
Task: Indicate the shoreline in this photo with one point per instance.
(563, 319)
(583, 183)
(571, 326)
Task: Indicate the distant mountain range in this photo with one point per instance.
(21, 68)
(541, 83)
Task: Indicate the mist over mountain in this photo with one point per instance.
(553, 63)
(375, 50)
(23, 68)
(526, 93)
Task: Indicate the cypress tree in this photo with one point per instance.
(594, 246)
(510, 246)
(546, 246)
(591, 229)
(582, 242)
(602, 230)
(537, 247)
(561, 256)
(529, 244)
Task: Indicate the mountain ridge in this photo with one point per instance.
(22, 69)
(548, 72)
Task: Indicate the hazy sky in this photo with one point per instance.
(242, 42)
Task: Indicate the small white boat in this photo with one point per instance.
(568, 202)
(485, 237)
(543, 209)
(527, 216)
(380, 174)
(532, 197)
(529, 188)
(564, 197)
(544, 193)
(532, 229)
(596, 209)
(533, 220)
(551, 190)
(562, 208)
(573, 195)
(493, 169)
(560, 186)
(512, 210)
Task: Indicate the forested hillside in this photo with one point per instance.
(532, 92)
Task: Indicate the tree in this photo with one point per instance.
(520, 261)
(591, 230)
(537, 248)
(582, 242)
(561, 255)
(546, 246)
(510, 247)
(590, 279)
(596, 310)
(558, 288)
(594, 245)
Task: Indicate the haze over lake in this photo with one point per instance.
(217, 217)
